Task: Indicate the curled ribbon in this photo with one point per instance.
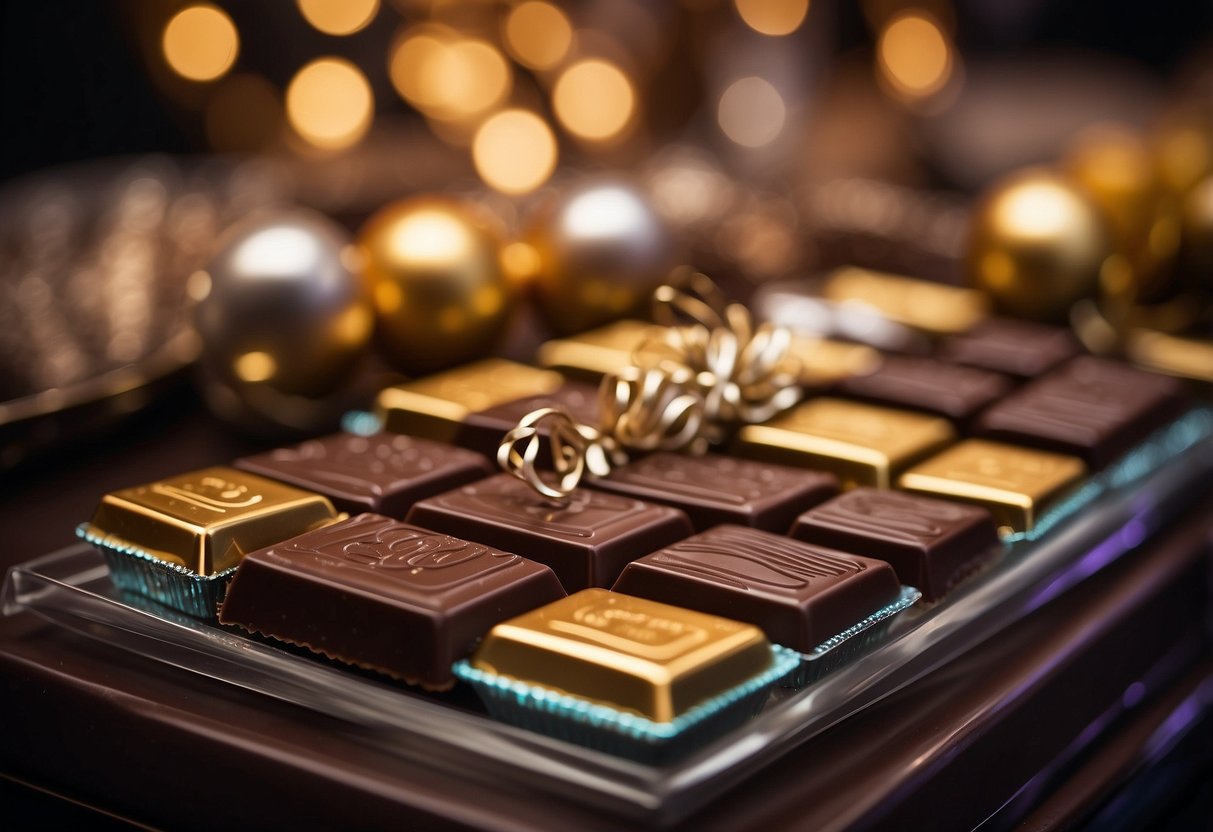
(642, 410)
(745, 372)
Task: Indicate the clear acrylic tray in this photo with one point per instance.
(1109, 516)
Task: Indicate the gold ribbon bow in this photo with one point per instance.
(641, 410)
(745, 372)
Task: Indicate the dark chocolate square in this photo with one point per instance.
(376, 593)
(716, 489)
(1019, 348)
(1091, 408)
(800, 594)
(586, 540)
(385, 473)
(931, 544)
(928, 385)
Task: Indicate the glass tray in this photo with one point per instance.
(1109, 516)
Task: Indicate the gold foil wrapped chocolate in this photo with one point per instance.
(629, 653)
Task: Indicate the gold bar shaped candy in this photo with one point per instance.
(1012, 482)
(921, 304)
(177, 541)
(861, 444)
(435, 407)
(593, 354)
(628, 653)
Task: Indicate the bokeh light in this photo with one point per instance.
(339, 17)
(773, 17)
(751, 112)
(914, 55)
(594, 100)
(329, 103)
(447, 76)
(200, 43)
(514, 151)
(538, 34)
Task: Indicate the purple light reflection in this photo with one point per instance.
(1125, 539)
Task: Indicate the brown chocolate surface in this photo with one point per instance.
(1020, 348)
(716, 489)
(928, 385)
(482, 431)
(586, 540)
(1091, 407)
(798, 593)
(931, 544)
(376, 593)
(385, 473)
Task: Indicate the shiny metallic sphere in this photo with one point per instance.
(279, 305)
(1038, 243)
(433, 268)
(601, 252)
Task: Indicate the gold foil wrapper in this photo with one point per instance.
(930, 307)
(206, 521)
(1171, 354)
(632, 654)
(433, 407)
(1012, 482)
(861, 444)
(593, 354)
(824, 361)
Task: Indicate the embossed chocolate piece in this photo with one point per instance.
(928, 385)
(931, 544)
(636, 655)
(860, 443)
(385, 473)
(716, 489)
(482, 431)
(177, 541)
(1005, 345)
(1092, 408)
(1014, 483)
(586, 539)
(799, 594)
(377, 593)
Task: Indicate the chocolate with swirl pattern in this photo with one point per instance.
(931, 544)
(799, 594)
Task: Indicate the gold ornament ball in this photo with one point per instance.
(279, 307)
(1183, 145)
(1038, 243)
(433, 270)
(1115, 167)
(601, 251)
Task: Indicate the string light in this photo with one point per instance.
(751, 112)
(773, 17)
(914, 55)
(594, 100)
(339, 17)
(537, 34)
(514, 151)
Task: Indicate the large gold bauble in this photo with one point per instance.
(433, 270)
(279, 308)
(1038, 244)
(601, 251)
(1116, 168)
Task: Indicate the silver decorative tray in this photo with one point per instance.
(1107, 518)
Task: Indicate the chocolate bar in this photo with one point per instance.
(928, 385)
(1005, 345)
(377, 593)
(1091, 408)
(384, 473)
(718, 489)
(586, 539)
(799, 594)
(931, 544)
